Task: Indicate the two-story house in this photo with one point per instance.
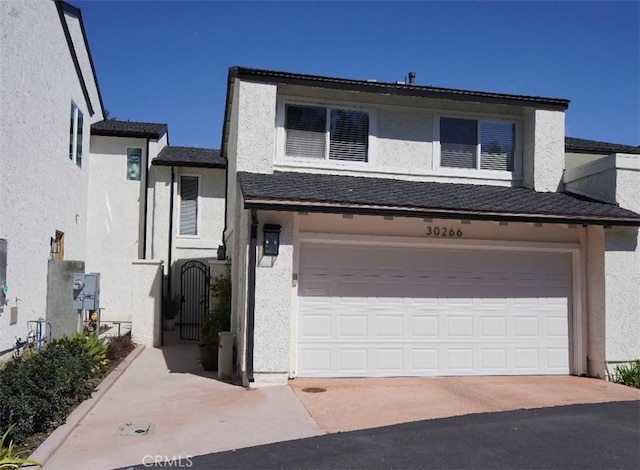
(391, 229)
(49, 97)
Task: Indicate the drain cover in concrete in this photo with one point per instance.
(314, 390)
(135, 429)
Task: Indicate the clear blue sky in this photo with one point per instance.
(167, 61)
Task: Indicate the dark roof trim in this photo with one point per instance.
(64, 7)
(355, 209)
(597, 147)
(193, 157)
(140, 130)
(398, 89)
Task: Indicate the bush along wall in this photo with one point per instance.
(38, 390)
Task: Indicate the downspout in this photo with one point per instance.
(251, 294)
(169, 258)
(145, 198)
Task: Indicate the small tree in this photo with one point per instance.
(219, 317)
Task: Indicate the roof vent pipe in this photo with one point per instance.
(412, 78)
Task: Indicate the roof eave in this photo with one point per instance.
(361, 209)
(396, 89)
(132, 134)
(188, 164)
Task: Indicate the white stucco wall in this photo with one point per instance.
(145, 298)
(115, 221)
(614, 295)
(544, 152)
(622, 278)
(41, 190)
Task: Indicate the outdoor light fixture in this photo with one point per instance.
(222, 253)
(271, 243)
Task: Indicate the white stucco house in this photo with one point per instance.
(150, 204)
(112, 196)
(392, 229)
(49, 97)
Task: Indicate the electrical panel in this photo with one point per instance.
(4, 287)
(86, 291)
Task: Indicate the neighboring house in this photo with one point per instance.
(49, 97)
(420, 231)
(149, 203)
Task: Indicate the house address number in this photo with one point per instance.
(443, 231)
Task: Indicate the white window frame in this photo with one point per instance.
(198, 205)
(516, 174)
(281, 136)
(142, 167)
(75, 156)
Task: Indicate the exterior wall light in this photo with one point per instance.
(222, 253)
(271, 241)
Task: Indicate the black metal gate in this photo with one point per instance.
(194, 296)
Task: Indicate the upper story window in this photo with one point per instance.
(189, 190)
(326, 133)
(477, 144)
(75, 135)
(134, 164)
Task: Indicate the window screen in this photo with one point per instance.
(496, 145)
(349, 135)
(458, 143)
(188, 205)
(306, 129)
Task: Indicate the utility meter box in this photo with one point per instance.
(86, 291)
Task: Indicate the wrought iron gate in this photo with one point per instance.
(194, 297)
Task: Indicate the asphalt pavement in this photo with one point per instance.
(592, 436)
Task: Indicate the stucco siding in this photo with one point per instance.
(273, 299)
(622, 271)
(41, 189)
(256, 145)
(548, 150)
(404, 140)
(115, 220)
(601, 186)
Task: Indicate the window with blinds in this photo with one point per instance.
(326, 133)
(481, 145)
(189, 205)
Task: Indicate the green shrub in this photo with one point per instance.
(37, 391)
(9, 459)
(628, 374)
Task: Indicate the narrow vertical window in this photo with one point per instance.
(76, 123)
(134, 163)
(188, 205)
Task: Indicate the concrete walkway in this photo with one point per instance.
(191, 413)
(188, 412)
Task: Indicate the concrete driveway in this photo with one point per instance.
(339, 405)
(183, 411)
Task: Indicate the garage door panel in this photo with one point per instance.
(397, 311)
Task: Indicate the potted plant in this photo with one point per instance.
(215, 320)
(170, 309)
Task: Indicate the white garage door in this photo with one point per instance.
(378, 311)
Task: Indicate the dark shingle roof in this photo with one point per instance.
(190, 156)
(594, 146)
(331, 193)
(110, 127)
(400, 89)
